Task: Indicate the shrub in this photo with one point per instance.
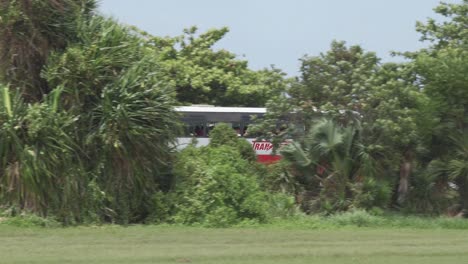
(161, 208)
(223, 134)
(358, 218)
(371, 193)
(26, 219)
(429, 194)
(276, 177)
(282, 205)
(215, 186)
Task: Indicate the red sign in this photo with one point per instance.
(262, 145)
(263, 149)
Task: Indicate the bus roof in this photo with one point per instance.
(219, 109)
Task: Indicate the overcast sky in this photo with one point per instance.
(279, 32)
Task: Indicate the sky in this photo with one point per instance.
(280, 32)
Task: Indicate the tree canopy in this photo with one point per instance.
(88, 127)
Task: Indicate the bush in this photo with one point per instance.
(97, 146)
(282, 205)
(429, 195)
(161, 208)
(223, 134)
(275, 177)
(26, 220)
(215, 187)
(371, 193)
(358, 218)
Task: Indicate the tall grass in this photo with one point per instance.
(364, 219)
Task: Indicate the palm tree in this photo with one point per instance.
(29, 30)
(454, 168)
(97, 142)
(329, 159)
(40, 164)
(458, 167)
(129, 138)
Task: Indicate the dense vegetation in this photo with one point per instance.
(87, 124)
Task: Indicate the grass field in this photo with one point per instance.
(153, 244)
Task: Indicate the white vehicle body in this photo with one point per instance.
(200, 119)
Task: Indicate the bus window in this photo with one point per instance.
(199, 131)
(195, 130)
(244, 130)
(237, 126)
(199, 121)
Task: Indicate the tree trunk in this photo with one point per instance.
(405, 171)
(463, 193)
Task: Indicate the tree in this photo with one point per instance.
(441, 71)
(333, 165)
(215, 186)
(395, 118)
(38, 156)
(127, 122)
(335, 83)
(443, 65)
(98, 145)
(347, 84)
(448, 33)
(224, 134)
(103, 52)
(202, 75)
(336, 80)
(30, 30)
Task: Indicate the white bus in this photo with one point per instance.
(200, 119)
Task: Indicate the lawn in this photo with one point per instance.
(153, 244)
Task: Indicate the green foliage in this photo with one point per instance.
(390, 115)
(336, 80)
(87, 125)
(282, 205)
(277, 177)
(431, 194)
(246, 150)
(104, 52)
(434, 189)
(446, 84)
(29, 31)
(96, 205)
(449, 32)
(328, 162)
(161, 207)
(202, 75)
(358, 218)
(38, 170)
(9, 217)
(223, 134)
(26, 220)
(134, 128)
(442, 71)
(216, 187)
(371, 193)
(98, 144)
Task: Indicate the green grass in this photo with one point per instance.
(167, 244)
